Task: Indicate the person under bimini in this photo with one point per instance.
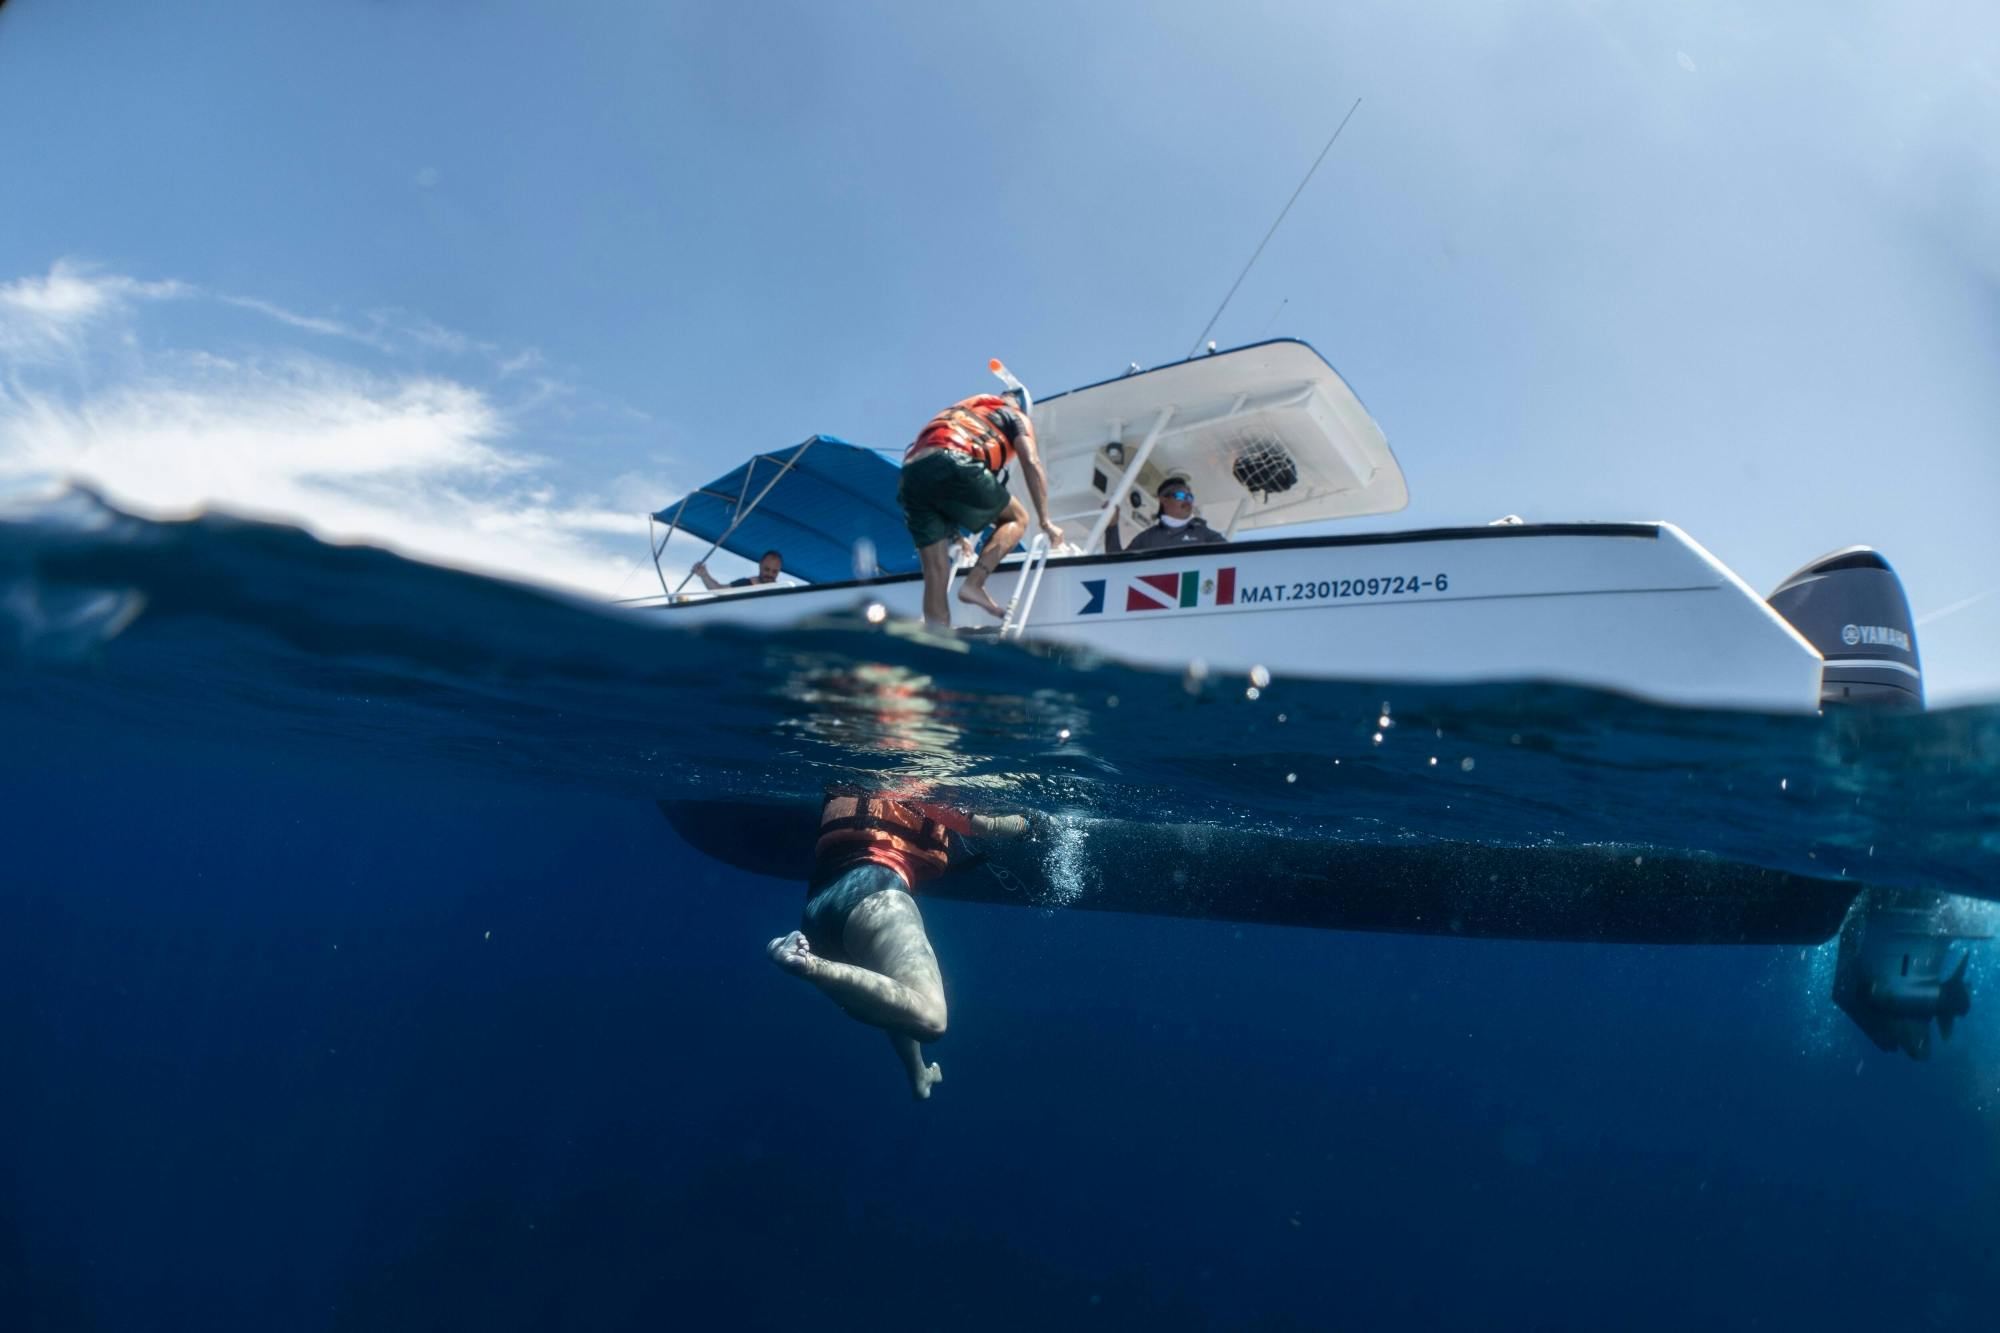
(955, 476)
(1177, 524)
(769, 566)
(861, 939)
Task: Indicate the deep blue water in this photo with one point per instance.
(350, 979)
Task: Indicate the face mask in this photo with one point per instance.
(1173, 522)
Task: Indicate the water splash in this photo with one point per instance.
(1066, 864)
(1807, 976)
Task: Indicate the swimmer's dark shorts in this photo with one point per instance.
(948, 490)
(829, 905)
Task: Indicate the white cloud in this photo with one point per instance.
(310, 323)
(430, 465)
(45, 317)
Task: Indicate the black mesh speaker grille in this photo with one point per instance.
(1265, 467)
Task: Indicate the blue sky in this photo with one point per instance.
(488, 281)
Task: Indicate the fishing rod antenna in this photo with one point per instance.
(1206, 328)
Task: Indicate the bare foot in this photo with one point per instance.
(972, 591)
(921, 1085)
(793, 954)
(1001, 826)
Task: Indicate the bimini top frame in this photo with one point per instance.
(828, 506)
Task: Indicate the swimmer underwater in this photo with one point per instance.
(861, 939)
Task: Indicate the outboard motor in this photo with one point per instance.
(1850, 605)
(1896, 972)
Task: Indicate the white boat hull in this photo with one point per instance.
(1636, 608)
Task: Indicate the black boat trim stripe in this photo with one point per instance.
(1179, 555)
(1362, 603)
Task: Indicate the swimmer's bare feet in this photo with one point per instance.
(793, 954)
(922, 1082)
(972, 591)
(1001, 826)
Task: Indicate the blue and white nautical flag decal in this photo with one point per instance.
(1094, 590)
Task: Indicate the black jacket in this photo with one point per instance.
(1193, 533)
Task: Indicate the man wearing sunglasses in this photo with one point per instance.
(1177, 524)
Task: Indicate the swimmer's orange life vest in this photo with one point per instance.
(976, 427)
(908, 838)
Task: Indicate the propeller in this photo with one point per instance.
(1954, 997)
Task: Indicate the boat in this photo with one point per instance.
(1280, 449)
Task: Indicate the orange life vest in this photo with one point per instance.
(896, 834)
(972, 427)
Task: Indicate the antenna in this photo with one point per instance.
(1203, 336)
(1274, 316)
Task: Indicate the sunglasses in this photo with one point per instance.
(1177, 495)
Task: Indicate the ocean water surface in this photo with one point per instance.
(351, 978)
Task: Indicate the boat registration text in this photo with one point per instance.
(1394, 585)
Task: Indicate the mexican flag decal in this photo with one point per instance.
(1161, 592)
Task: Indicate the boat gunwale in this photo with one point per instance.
(1180, 554)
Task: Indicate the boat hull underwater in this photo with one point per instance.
(1901, 965)
(1598, 894)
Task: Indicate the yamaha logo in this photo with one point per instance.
(1877, 635)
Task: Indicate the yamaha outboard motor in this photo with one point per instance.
(1850, 606)
(1896, 973)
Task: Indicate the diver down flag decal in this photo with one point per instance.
(1160, 592)
(1094, 590)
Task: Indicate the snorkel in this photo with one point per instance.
(1015, 389)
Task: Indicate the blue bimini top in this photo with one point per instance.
(811, 503)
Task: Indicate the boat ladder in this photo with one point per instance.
(1027, 585)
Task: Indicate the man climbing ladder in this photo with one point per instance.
(954, 477)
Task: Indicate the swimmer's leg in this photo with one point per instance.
(894, 983)
(935, 561)
(923, 1077)
(886, 932)
(1013, 521)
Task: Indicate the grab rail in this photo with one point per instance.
(1027, 585)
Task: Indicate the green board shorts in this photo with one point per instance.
(947, 490)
